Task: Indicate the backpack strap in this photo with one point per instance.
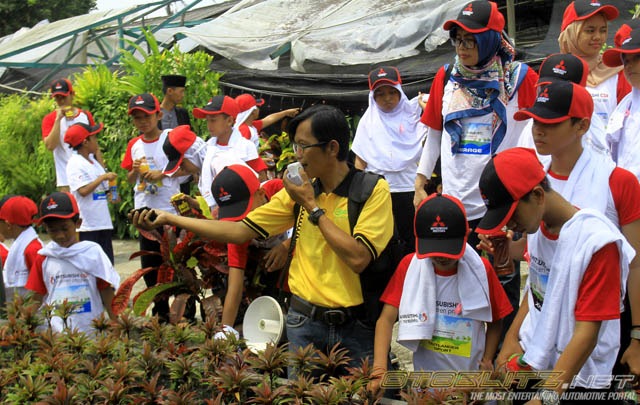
(447, 73)
(360, 190)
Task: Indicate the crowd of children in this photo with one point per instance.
(548, 159)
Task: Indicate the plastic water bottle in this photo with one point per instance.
(113, 189)
(517, 363)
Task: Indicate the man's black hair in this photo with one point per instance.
(327, 124)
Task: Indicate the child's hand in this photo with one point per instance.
(109, 176)
(510, 346)
(485, 242)
(275, 258)
(292, 112)
(485, 364)
(418, 196)
(153, 175)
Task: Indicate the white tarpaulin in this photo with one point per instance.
(333, 32)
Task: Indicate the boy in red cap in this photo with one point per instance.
(568, 320)
(226, 145)
(67, 269)
(622, 133)
(89, 184)
(247, 121)
(572, 68)
(429, 293)
(16, 219)
(238, 191)
(145, 161)
(55, 125)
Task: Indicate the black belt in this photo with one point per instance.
(330, 316)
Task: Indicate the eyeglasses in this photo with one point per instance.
(301, 148)
(466, 43)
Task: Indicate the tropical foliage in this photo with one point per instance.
(27, 167)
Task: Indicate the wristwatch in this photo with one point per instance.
(548, 397)
(635, 334)
(315, 214)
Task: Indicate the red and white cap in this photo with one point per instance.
(580, 10)
(477, 17)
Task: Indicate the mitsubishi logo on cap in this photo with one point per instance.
(382, 72)
(439, 226)
(139, 100)
(560, 68)
(626, 41)
(595, 3)
(52, 205)
(223, 195)
(468, 10)
(544, 96)
(58, 86)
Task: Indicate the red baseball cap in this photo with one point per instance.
(564, 66)
(477, 17)
(61, 87)
(218, 105)
(145, 102)
(629, 44)
(509, 176)
(233, 189)
(18, 210)
(558, 101)
(384, 75)
(440, 227)
(59, 204)
(79, 132)
(247, 101)
(176, 145)
(580, 10)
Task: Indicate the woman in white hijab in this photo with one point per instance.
(388, 142)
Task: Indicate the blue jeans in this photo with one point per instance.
(354, 335)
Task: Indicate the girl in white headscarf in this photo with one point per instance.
(388, 141)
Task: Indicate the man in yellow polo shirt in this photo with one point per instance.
(326, 303)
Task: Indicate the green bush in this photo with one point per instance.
(27, 166)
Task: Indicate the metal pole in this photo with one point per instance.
(511, 20)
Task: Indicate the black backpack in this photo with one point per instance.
(374, 278)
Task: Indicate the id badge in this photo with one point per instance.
(476, 139)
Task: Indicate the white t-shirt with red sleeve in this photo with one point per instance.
(62, 153)
(458, 343)
(598, 297)
(160, 195)
(622, 204)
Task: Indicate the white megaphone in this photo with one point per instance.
(263, 323)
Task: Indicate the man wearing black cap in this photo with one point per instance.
(173, 87)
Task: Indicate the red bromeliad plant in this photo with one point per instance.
(190, 266)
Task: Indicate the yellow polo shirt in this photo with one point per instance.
(317, 274)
